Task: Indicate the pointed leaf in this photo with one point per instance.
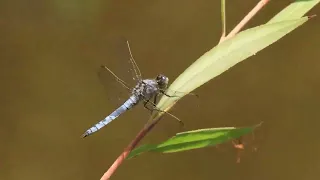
(295, 10)
(228, 54)
(194, 140)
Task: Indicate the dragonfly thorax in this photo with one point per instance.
(147, 88)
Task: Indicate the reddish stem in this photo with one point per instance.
(129, 148)
(245, 20)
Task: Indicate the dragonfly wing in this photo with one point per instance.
(135, 67)
(116, 89)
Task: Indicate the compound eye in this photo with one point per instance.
(160, 78)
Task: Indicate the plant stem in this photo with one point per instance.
(130, 147)
(223, 19)
(245, 20)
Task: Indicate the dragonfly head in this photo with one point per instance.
(162, 80)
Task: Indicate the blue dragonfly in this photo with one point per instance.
(145, 90)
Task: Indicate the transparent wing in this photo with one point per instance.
(135, 67)
(117, 78)
(120, 75)
(116, 90)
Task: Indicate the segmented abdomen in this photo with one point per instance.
(133, 100)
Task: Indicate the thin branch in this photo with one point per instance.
(147, 128)
(246, 19)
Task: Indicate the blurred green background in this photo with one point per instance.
(50, 53)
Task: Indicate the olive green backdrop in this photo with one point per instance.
(50, 53)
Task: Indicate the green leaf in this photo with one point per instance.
(226, 55)
(194, 140)
(141, 149)
(295, 10)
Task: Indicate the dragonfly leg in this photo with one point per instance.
(145, 105)
(175, 117)
(154, 102)
(163, 92)
(155, 99)
(156, 109)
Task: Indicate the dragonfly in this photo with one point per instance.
(145, 90)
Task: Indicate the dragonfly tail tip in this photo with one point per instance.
(84, 135)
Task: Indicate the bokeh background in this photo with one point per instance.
(51, 51)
